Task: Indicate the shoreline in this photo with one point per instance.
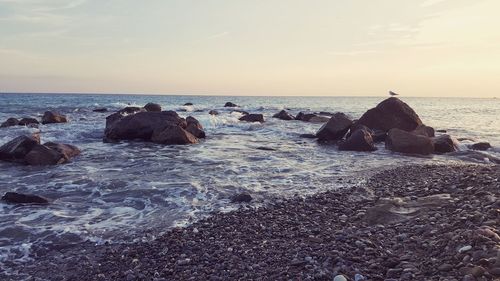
(408, 223)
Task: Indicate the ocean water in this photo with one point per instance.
(135, 191)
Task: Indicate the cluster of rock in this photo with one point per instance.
(28, 150)
(152, 125)
(47, 118)
(301, 116)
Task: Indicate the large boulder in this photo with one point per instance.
(20, 198)
(230, 104)
(195, 127)
(284, 115)
(405, 142)
(173, 134)
(50, 117)
(391, 113)
(445, 144)
(311, 117)
(10, 122)
(152, 107)
(424, 130)
(17, 149)
(359, 140)
(335, 128)
(252, 118)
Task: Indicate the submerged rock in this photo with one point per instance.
(19, 198)
(152, 107)
(213, 112)
(230, 104)
(335, 128)
(188, 104)
(308, 136)
(284, 115)
(28, 122)
(445, 144)
(311, 117)
(241, 198)
(50, 117)
(10, 122)
(391, 113)
(360, 140)
(252, 118)
(402, 141)
(480, 146)
(100, 109)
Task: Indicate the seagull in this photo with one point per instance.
(392, 93)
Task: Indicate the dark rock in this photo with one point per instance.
(308, 136)
(311, 117)
(402, 141)
(241, 198)
(188, 104)
(42, 155)
(173, 134)
(335, 128)
(424, 130)
(360, 140)
(19, 198)
(213, 112)
(195, 127)
(441, 131)
(50, 117)
(10, 122)
(152, 107)
(284, 115)
(445, 144)
(100, 109)
(480, 146)
(28, 122)
(69, 151)
(391, 113)
(17, 149)
(140, 125)
(130, 110)
(379, 136)
(252, 118)
(230, 104)
(265, 148)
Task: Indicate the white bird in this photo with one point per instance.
(392, 93)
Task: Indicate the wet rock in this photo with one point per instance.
(100, 109)
(252, 118)
(130, 110)
(213, 112)
(9, 123)
(28, 122)
(152, 107)
(19, 198)
(445, 267)
(230, 104)
(424, 130)
(442, 131)
(445, 144)
(480, 146)
(360, 140)
(391, 113)
(311, 117)
(188, 104)
(308, 136)
(405, 142)
(379, 136)
(241, 198)
(69, 151)
(265, 148)
(17, 149)
(50, 117)
(173, 134)
(51, 154)
(335, 128)
(284, 115)
(195, 127)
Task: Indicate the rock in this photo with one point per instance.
(17, 149)
(130, 110)
(391, 113)
(360, 140)
(445, 267)
(240, 112)
(100, 109)
(308, 136)
(480, 146)
(188, 104)
(339, 277)
(28, 122)
(50, 154)
(424, 130)
(10, 122)
(379, 136)
(310, 117)
(141, 125)
(265, 148)
(495, 271)
(50, 117)
(230, 104)
(19, 198)
(173, 134)
(252, 118)
(335, 128)
(441, 131)
(445, 144)
(465, 249)
(69, 151)
(241, 198)
(213, 112)
(152, 107)
(284, 115)
(401, 141)
(195, 127)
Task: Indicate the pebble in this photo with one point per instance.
(339, 277)
(445, 267)
(465, 249)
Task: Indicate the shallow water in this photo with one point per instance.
(132, 191)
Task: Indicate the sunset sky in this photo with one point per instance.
(251, 47)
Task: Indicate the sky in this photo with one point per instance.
(251, 47)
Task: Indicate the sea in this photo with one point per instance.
(135, 191)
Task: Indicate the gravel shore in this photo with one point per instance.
(408, 223)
